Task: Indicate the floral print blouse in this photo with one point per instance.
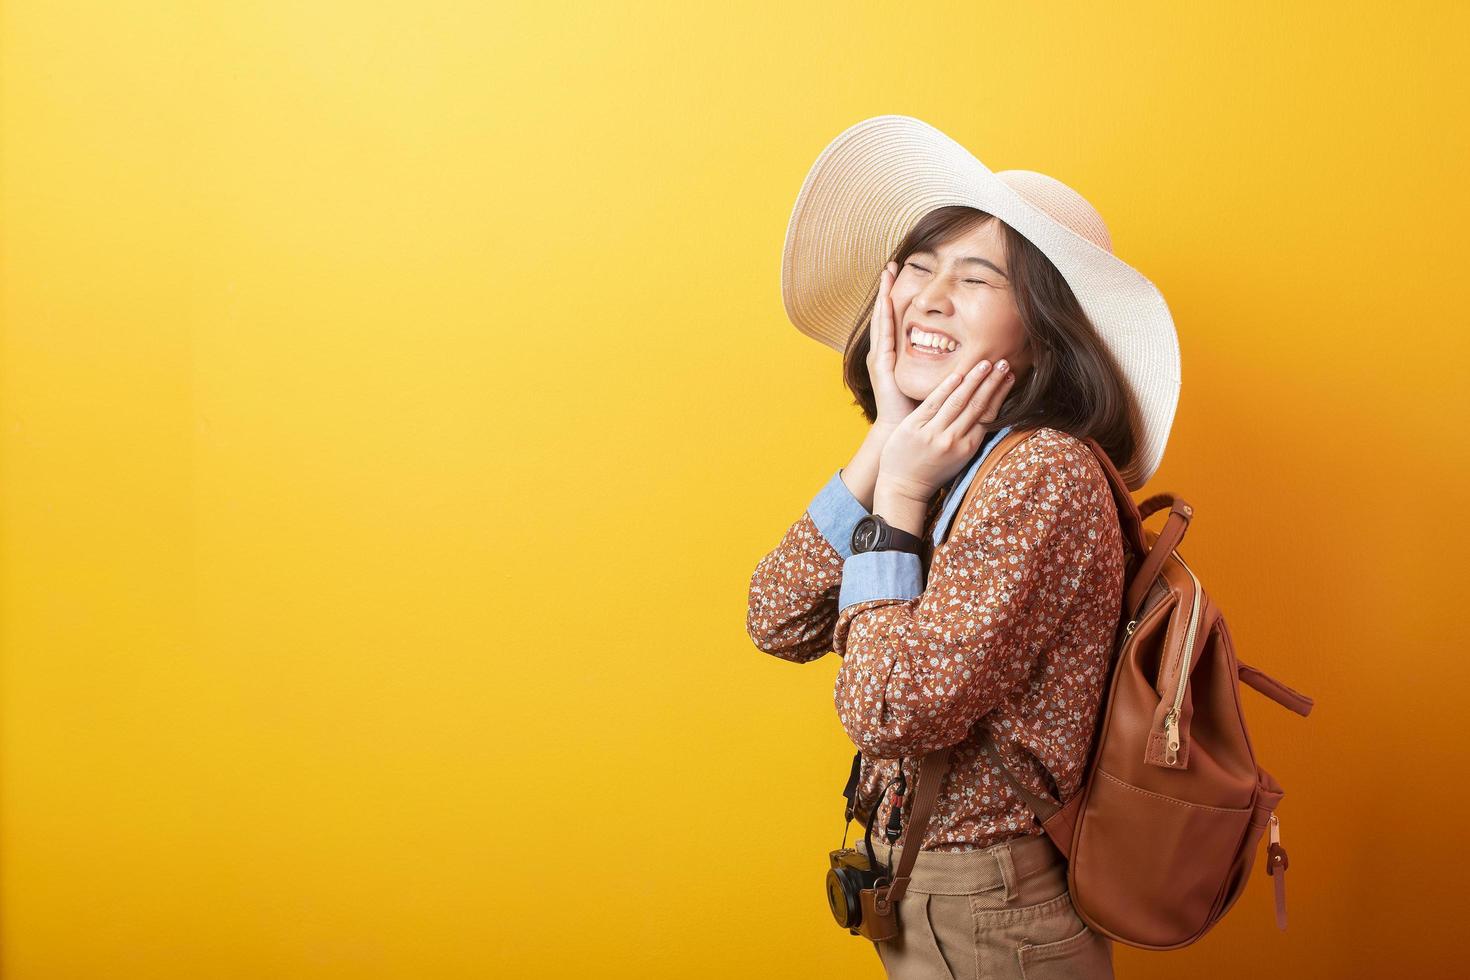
(1010, 627)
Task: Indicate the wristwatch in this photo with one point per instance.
(873, 533)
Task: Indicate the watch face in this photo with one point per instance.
(865, 535)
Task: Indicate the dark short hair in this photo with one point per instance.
(1074, 384)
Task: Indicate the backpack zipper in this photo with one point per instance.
(1171, 720)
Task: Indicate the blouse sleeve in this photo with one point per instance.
(793, 591)
(922, 662)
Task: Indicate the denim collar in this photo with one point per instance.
(961, 483)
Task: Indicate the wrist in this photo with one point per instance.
(900, 491)
(901, 506)
(879, 432)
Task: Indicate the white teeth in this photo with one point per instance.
(931, 341)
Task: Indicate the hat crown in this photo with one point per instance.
(1060, 203)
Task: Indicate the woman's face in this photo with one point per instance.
(960, 298)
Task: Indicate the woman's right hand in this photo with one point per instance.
(893, 405)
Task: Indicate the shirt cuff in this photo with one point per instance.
(880, 575)
(836, 512)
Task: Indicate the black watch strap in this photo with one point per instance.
(873, 533)
(900, 540)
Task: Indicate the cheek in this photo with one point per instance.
(1000, 323)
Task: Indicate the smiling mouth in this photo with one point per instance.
(926, 350)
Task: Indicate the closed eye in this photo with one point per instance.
(978, 282)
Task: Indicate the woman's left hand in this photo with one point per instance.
(943, 433)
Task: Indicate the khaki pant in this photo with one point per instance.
(1001, 913)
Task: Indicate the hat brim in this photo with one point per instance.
(873, 183)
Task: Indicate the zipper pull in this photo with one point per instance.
(1128, 631)
(1276, 867)
(1171, 733)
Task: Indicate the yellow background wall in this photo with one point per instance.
(396, 398)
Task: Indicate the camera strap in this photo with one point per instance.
(850, 792)
(895, 813)
(852, 784)
(931, 773)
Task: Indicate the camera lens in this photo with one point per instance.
(842, 896)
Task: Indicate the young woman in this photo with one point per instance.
(1004, 311)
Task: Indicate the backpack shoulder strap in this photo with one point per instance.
(1129, 518)
(933, 766)
(1042, 805)
(992, 459)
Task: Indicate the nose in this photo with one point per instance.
(933, 296)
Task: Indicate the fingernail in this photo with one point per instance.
(1000, 365)
(982, 365)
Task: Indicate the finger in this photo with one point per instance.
(984, 404)
(1003, 387)
(880, 328)
(963, 394)
(884, 312)
(924, 411)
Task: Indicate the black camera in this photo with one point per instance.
(851, 872)
(857, 882)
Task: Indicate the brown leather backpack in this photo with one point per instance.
(1162, 834)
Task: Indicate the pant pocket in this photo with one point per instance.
(1084, 955)
(1002, 934)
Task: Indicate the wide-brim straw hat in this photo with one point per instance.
(873, 183)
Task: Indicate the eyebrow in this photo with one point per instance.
(972, 259)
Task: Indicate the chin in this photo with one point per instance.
(916, 382)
